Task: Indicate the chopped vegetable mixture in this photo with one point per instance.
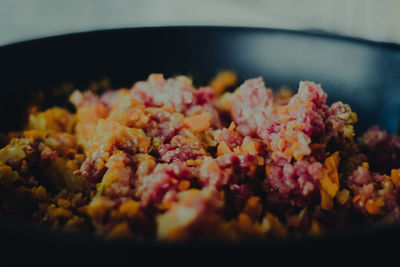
(164, 160)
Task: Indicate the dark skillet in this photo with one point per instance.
(362, 73)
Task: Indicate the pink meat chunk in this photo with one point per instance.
(249, 100)
(161, 183)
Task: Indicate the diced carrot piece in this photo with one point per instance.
(360, 199)
(71, 164)
(183, 185)
(33, 134)
(267, 170)
(96, 209)
(223, 149)
(329, 181)
(121, 230)
(251, 147)
(395, 175)
(308, 105)
(326, 201)
(365, 165)
(39, 192)
(144, 143)
(222, 195)
(356, 198)
(244, 222)
(64, 203)
(223, 80)
(253, 207)
(198, 162)
(198, 123)
(60, 213)
(168, 109)
(232, 126)
(190, 162)
(260, 161)
(277, 227)
(129, 208)
(100, 164)
(315, 228)
(374, 206)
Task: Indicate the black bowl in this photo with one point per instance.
(362, 73)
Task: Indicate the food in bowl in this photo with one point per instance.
(164, 160)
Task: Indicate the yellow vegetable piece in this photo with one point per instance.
(329, 181)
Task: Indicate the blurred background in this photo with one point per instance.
(370, 19)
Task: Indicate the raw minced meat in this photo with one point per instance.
(168, 161)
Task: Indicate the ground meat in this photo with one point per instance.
(163, 125)
(210, 174)
(374, 193)
(251, 97)
(162, 184)
(170, 153)
(118, 177)
(48, 156)
(206, 108)
(296, 182)
(230, 137)
(289, 129)
(164, 160)
(237, 196)
(84, 99)
(381, 149)
(192, 216)
(241, 163)
(176, 93)
(90, 170)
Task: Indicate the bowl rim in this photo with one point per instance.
(331, 236)
(303, 32)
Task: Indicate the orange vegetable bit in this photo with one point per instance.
(223, 149)
(373, 206)
(326, 201)
(33, 134)
(244, 222)
(278, 228)
(395, 175)
(253, 207)
(198, 123)
(121, 230)
(251, 147)
(64, 203)
(39, 193)
(183, 185)
(329, 181)
(365, 165)
(232, 126)
(222, 81)
(130, 208)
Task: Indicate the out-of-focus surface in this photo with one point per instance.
(370, 19)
